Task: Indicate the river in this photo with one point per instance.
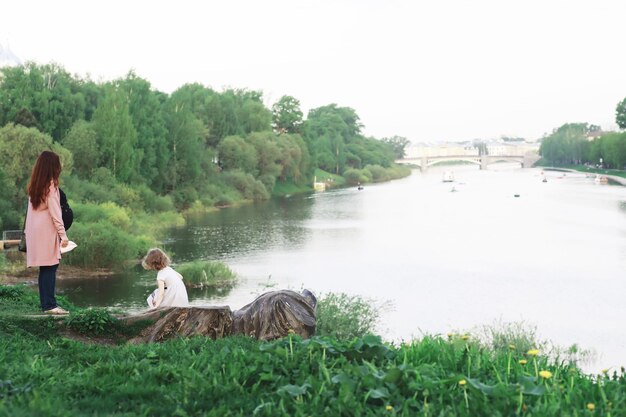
(503, 247)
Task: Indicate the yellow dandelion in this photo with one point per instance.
(591, 406)
(450, 335)
(523, 361)
(389, 408)
(533, 352)
(291, 331)
(512, 347)
(462, 382)
(545, 374)
(465, 337)
(605, 371)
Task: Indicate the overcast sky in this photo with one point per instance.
(426, 70)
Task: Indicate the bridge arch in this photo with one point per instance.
(433, 161)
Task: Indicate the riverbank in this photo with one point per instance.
(590, 172)
(46, 368)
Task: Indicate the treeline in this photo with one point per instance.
(582, 143)
(124, 142)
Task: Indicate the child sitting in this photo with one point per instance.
(171, 291)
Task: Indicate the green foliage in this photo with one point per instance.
(104, 245)
(620, 114)
(235, 153)
(344, 316)
(50, 97)
(12, 292)
(81, 141)
(116, 135)
(294, 377)
(19, 149)
(398, 144)
(355, 176)
(206, 273)
(568, 145)
(92, 321)
(286, 115)
(248, 187)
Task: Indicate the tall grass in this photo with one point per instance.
(344, 316)
(47, 375)
(207, 273)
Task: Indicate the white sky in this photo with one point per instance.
(427, 70)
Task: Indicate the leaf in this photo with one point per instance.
(294, 390)
(393, 375)
(530, 386)
(377, 393)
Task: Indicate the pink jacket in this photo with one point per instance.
(44, 231)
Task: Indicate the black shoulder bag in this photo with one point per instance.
(22, 245)
(66, 211)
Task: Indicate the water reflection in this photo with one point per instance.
(255, 227)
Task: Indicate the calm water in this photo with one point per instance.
(553, 258)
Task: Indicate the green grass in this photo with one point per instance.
(582, 168)
(207, 273)
(288, 187)
(48, 375)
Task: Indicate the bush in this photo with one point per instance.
(355, 176)
(104, 245)
(345, 316)
(11, 292)
(206, 273)
(246, 185)
(95, 321)
(377, 172)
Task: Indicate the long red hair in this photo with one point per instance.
(46, 169)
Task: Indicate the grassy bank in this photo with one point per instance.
(46, 374)
(586, 169)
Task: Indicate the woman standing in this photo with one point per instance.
(45, 233)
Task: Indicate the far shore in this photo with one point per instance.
(29, 275)
(615, 178)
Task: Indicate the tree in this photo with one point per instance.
(567, 144)
(620, 114)
(81, 140)
(286, 115)
(116, 134)
(185, 145)
(48, 92)
(9, 217)
(19, 149)
(398, 144)
(235, 153)
(145, 107)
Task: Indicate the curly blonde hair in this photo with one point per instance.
(155, 260)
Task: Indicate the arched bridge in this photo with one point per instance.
(425, 157)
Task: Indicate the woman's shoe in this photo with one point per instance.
(57, 311)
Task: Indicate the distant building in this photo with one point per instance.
(8, 58)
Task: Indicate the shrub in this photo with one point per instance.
(355, 176)
(11, 292)
(104, 245)
(206, 273)
(345, 316)
(246, 185)
(96, 321)
(377, 172)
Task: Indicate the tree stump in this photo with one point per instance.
(270, 316)
(273, 314)
(172, 322)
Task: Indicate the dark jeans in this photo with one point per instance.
(47, 282)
